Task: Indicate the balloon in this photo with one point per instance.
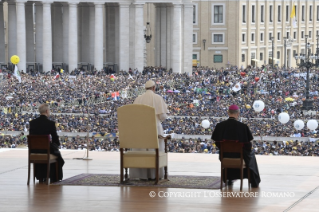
(242, 74)
(15, 59)
(272, 111)
(283, 118)
(112, 79)
(299, 124)
(312, 124)
(256, 79)
(258, 105)
(205, 124)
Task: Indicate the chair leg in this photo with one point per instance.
(248, 170)
(225, 169)
(221, 178)
(34, 171)
(57, 171)
(157, 166)
(48, 173)
(28, 174)
(165, 169)
(241, 179)
(126, 174)
(121, 165)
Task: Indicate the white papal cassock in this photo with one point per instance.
(154, 100)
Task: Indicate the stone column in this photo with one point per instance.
(47, 37)
(12, 30)
(73, 36)
(57, 33)
(124, 14)
(2, 43)
(132, 36)
(157, 35)
(65, 20)
(92, 25)
(117, 35)
(21, 35)
(168, 37)
(39, 34)
(29, 32)
(98, 41)
(188, 42)
(177, 39)
(139, 37)
(163, 36)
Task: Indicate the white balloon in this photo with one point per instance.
(258, 105)
(283, 118)
(312, 124)
(299, 124)
(205, 124)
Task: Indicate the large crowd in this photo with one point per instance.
(206, 93)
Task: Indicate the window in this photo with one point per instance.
(278, 55)
(288, 34)
(242, 57)
(310, 34)
(270, 35)
(195, 57)
(253, 13)
(218, 58)
(253, 37)
(302, 34)
(295, 35)
(279, 13)
(244, 13)
(270, 13)
(243, 38)
(303, 13)
(278, 36)
(287, 13)
(318, 13)
(262, 37)
(310, 13)
(194, 14)
(218, 38)
(261, 56)
(262, 14)
(294, 52)
(317, 32)
(194, 38)
(218, 14)
(253, 55)
(296, 12)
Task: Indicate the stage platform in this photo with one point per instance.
(287, 184)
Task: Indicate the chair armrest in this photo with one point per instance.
(165, 140)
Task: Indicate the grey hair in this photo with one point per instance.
(233, 111)
(43, 108)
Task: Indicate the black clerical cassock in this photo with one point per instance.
(231, 129)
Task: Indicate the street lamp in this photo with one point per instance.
(305, 62)
(272, 52)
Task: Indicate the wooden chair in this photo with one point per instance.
(40, 143)
(235, 163)
(138, 130)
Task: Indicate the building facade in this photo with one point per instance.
(238, 32)
(99, 33)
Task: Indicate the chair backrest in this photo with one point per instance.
(230, 146)
(39, 142)
(137, 126)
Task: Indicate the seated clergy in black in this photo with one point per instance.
(231, 129)
(44, 126)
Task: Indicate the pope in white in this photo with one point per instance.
(154, 100)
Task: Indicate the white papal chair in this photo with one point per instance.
(138, 130)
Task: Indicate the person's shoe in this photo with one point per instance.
(254, 186)
(229, 182)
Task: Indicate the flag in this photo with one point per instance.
(237, 87)
(57, 76)
(293, 16)
(17, 73)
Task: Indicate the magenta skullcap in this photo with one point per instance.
(233, 107)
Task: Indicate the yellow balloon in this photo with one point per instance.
(15, 59)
